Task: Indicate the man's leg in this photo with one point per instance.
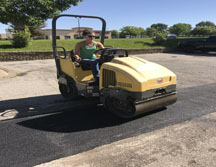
(94, 66)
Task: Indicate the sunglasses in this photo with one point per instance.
(91, 36)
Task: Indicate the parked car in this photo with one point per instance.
(171, 36)
(204, 45)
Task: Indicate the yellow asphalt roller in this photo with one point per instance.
(128, 85)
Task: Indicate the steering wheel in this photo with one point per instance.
(107, 54)
(99, 51)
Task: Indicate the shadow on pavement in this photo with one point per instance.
(76, 120)
(28, 106)
(38, 105)
(55, 114)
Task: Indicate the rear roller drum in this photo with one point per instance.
(68, 91)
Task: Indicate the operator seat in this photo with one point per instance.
(84, 67)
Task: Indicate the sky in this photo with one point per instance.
(139, 13)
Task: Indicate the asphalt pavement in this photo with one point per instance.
(46, 130)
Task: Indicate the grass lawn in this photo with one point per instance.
(46, 45)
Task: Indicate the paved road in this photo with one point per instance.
(47, 128)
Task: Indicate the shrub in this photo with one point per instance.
(159, 37)
(21, 38)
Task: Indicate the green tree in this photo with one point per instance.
(131, 31)
(35, 30)
(205, 24)
(160, 37)
(207, 30)
(180, 29)
(114, 34)
(160, 26)
(21, 13)
(21, 38)
(151, 32)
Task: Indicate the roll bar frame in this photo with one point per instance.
(55, 52)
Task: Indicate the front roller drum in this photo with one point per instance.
(143, 107)
(128, 109)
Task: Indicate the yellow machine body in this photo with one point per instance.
(138, 75)
(127, 82)
(68, 67)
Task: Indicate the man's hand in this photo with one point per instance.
(77, 58)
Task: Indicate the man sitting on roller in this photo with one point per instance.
(84, 52)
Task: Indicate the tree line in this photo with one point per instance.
(180, 29)
(25, 17)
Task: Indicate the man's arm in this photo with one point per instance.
(76, 52)
(100, 45)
